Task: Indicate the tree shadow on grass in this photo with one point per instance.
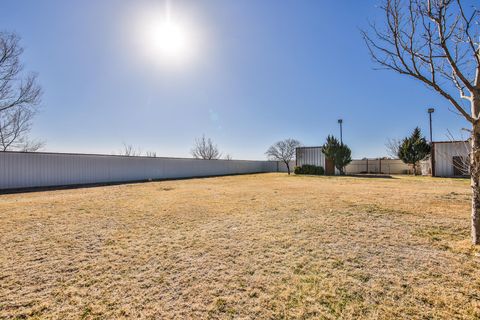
(370, 175)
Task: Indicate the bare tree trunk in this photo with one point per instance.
(414, 169)
(475, 174)
(288, 167)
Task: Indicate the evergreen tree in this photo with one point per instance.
(414, 149)
(330, 147)
(338, 152)
(343, 156)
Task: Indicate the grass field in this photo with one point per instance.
(265, 246)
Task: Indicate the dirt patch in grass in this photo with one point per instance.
(248, 247)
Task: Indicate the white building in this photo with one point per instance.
(449, 158)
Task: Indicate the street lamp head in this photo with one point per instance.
(340, 120)
(431, 110)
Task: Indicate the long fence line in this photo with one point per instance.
(40, 169)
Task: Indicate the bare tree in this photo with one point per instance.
(437, 43)
(151, 154)
(228, 157)
(283, 151)
(19, 97)
(393, 146)
(31, 145)
(204, 148)
(130, 151)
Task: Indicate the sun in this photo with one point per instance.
(168, 39)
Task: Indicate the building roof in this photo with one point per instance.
(452, 141)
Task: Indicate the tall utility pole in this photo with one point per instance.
(430, 111)
(432, 152)
(340, 122)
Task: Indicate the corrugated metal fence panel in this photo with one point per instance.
(394, 166)
(282, 167)
(444, 153)
(311, 156)
(388, 166)
(26, 170)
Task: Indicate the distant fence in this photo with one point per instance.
(38, 169)
(387, 166)
(282, 167)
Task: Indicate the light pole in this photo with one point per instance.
(340, 121)
(432, 152)
(430, 111)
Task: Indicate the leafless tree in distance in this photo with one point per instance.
(283, 151)
(437, 43)
(204, 148)
(19, 97)
(393, 145)
(130, 151)
(31, 145)
(151, 154)
(228, 157)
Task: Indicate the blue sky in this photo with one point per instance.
(260, 71)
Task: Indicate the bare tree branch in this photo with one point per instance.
(16, 90)
(205, 149)
(19, 97)
(409, 46)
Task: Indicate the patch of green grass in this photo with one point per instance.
(86, 312)
(441, 233)
(221, 306)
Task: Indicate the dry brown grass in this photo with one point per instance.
(249, 247)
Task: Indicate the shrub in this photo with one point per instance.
(310, 169)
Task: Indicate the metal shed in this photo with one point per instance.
(314, 156)
(310, 155)
(450, 158)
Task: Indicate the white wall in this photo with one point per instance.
(444, 153)
(26, 170)
(387, 166)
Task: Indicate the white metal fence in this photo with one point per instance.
(27, 170)
(387, 166)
